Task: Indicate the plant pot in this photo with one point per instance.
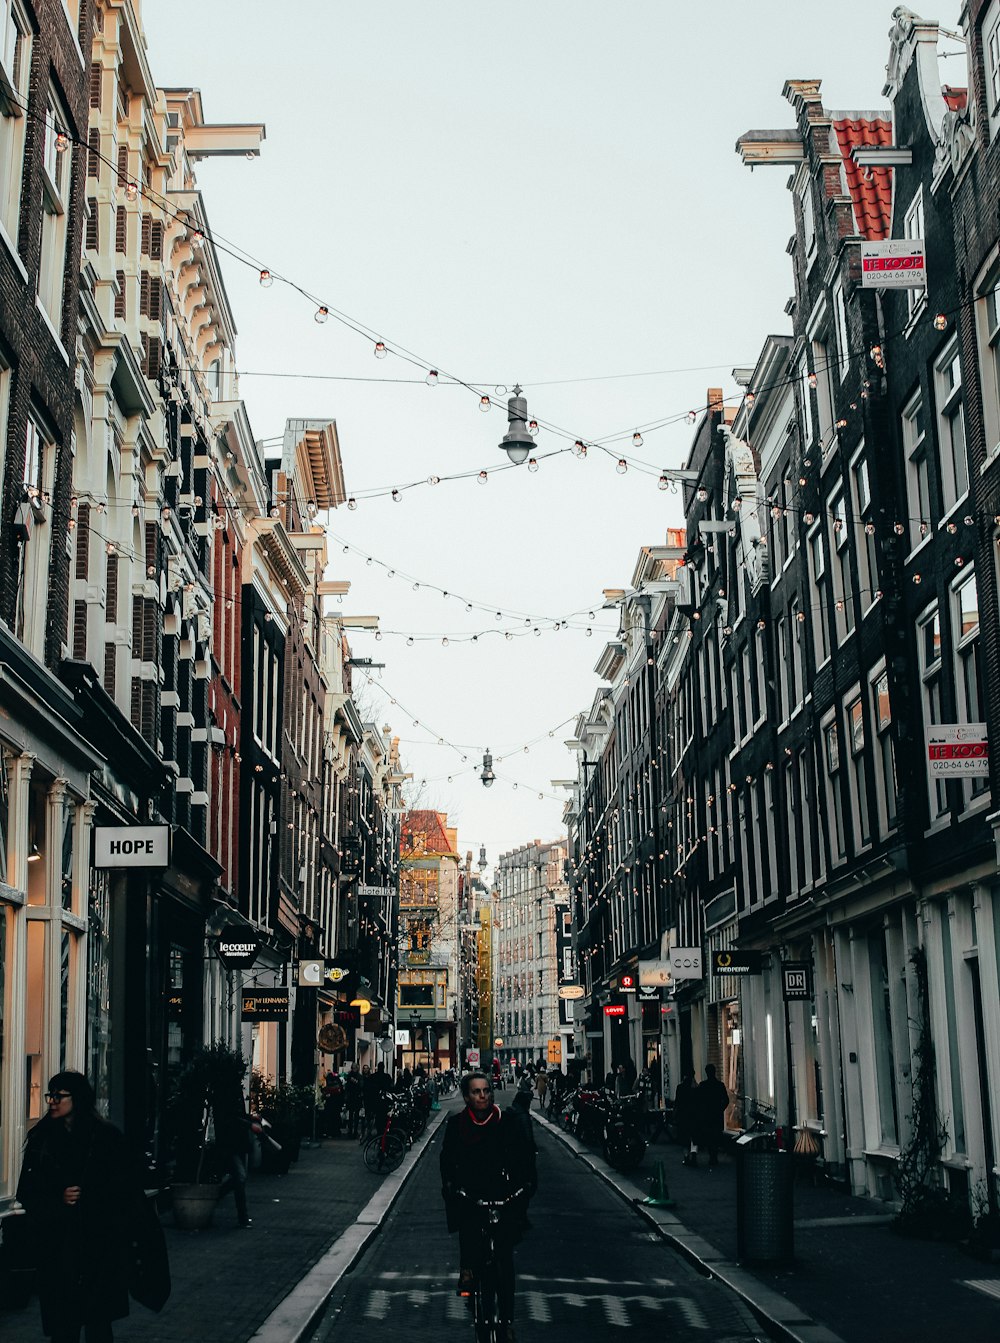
(194, 1205)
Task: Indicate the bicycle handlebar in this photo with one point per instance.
(491, 1203)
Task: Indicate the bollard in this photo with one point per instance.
(659, 1194)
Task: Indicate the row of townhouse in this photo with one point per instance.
(532, 956)
(826, 877)
(181, 757)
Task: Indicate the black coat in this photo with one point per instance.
(711, 1100)
(489, 1161)
(81, 1252)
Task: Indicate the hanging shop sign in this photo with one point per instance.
(237, 953)
(132, 846)
(654, 972)
(311, 974)
(571, 991)
(331, 1038)
(402, 1038)
(626, 984)
(553, 1051)
(796, 981)
(265, 1005)
(686, 963)
(734, 962)
(175, 1005)
(378, 892)
(335, 973)
(957, 750)
(649, 994)
(893, 263)
(614, 1009)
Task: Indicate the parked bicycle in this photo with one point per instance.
(384, 1151)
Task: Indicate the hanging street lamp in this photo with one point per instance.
(518, 441)
(487, 775)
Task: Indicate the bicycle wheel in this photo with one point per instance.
(417, 1124)
(373, 1152)
(486, 1303)
(392, 1153)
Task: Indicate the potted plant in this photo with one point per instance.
(195, 1185)
(285, 1109)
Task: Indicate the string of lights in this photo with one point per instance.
(382, 348)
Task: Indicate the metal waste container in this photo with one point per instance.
(764, 1201)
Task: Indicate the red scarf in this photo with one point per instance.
(472, 1130)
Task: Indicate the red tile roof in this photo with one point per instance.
(955, 98)
(870, 188)
(430, 824)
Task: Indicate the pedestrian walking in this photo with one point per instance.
(232, 1142)
(352, 1100)
(711, 1103)
(333, 1103)
(80, 1196)
(684, 1117)
(541, 1085)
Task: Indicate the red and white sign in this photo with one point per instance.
(957, 750)
(472, 1058)
(614, 1010)
(895, 263)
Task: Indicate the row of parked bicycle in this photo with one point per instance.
(391, 1132)
(597, 1114)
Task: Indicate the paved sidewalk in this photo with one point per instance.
(227, 1282)
(854, 1279)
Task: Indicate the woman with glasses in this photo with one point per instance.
(77, 1190)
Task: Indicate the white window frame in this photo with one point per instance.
(832, 766)
(918, 485)
(967, 646)
(819, 581)
(840, 329)
(15, 42)
(952, 449)
(861, 505)
(991, 62)
(884, 749)
(56, 175)
(856, 731)
(929, 655)
(913, 227)
(35, 552)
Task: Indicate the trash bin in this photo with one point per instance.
(764, 1202)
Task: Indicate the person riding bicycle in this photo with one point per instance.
(485, 1155)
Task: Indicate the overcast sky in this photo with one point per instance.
(543, 191)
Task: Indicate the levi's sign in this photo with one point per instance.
(614, 1010)
(894, 263)
(132, 846)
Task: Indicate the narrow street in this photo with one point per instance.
(589, 1269)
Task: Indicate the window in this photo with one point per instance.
(951, 427)
(968, 671)
(991, 58)
(855, 710)
(820, 584)
(929, 651)
(808, 221)
(913, 424)
(913, 227)
(34, 550)
(55, 201)
(840, 324)
(796, 638)
(835, 800)
(806, 380)
(885, 758)
(861, 500)
(843, 587)
(15, 59)
(824, 393)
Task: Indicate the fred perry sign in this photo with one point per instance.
(132, 846)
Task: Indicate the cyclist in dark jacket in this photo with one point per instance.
(485, 1155)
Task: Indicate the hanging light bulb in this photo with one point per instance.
(590, 615)
(432, 377)
(622, 466)
(321, 314)
(507, 635)
(940, 322)
(483, 477)
(662, 483)
(637, 439)
(691, 416)
(409, 642)
(378, 636)
(701, 494)
(750, 398)
(61, 142)
(396, 496)
(444, 642)
(484, 403)
(380, 350)
(352, 503)
(532, 464)
(579, 448)
(131, 191)
(266, 279)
